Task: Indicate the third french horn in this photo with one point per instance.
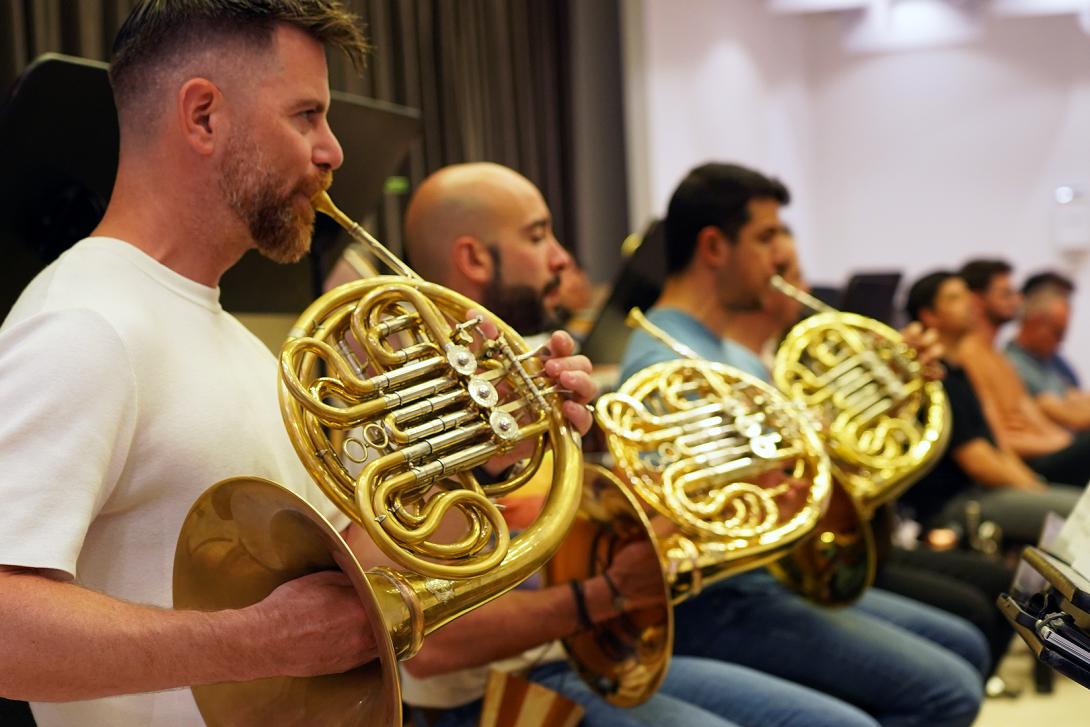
(883, 424)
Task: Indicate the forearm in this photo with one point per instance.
(1030, 443)
(994, 468)
(1072, 412)
(62, 643)
(508, 626)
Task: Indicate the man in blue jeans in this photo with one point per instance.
(485, 231)
(901, 661)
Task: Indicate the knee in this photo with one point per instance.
(972, 646)
(957, 691)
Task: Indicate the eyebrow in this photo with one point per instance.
(310, 103)
(543, 222)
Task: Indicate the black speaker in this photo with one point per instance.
(59, 143)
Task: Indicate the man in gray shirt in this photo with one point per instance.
(1035, 351)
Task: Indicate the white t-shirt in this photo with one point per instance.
(126, 392)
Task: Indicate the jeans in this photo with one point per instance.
(901, 661)
(749, 652)
(1020, 514)
(960, 582)
(696, 693)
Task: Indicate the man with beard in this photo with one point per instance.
(1016, 419)
(505, 254)
(486, 232)
(899, 660)
(128, 390)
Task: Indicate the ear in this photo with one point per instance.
(712, 247)
(471, 259)
(200, 107)
(928, 318)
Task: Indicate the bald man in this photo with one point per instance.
(486, 232)
(1035, 353)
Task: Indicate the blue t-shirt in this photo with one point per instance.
(643, 350)
(1041, 376)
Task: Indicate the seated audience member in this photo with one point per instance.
(1016, 420)
(1035, 351)
(976, 466)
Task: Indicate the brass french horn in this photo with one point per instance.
(429, 400)
(884, 427)
(692, 441)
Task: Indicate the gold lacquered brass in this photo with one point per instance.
(242, 539)
(883, 424)
(694, 439)
(737, 473)
(624, 659)
(390, 369)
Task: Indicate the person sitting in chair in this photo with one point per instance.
(977, 467)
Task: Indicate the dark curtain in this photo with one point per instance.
(490, 78)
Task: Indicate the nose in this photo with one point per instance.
(780, 259)
(327, 153)
(559, 258)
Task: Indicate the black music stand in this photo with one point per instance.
(1051, 612)
(59, 143)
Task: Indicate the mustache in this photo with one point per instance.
(318, 183)
(550, 286)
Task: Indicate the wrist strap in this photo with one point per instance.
(581, 611)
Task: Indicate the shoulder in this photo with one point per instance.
(64, 348)
(643, 351)
(741, 358)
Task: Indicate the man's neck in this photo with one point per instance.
(193, 236)
(751, 329)
(951, 344)
(1024, 342)
(987, 330)
(694, 293)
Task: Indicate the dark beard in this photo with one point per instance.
(279, 231)
(520, 306)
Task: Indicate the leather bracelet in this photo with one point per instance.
(581, 612)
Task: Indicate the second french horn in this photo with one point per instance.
(713, 466)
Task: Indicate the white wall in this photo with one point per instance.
(714, 79)
(914, 159)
